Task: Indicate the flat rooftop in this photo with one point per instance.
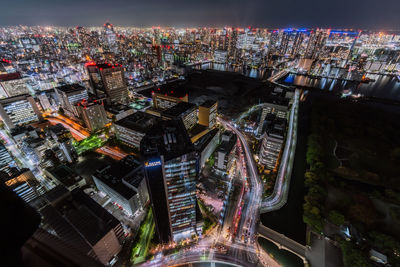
(138, 121)
(64, 174)
(70, 88)
(208, 103)
(168, 138)
(113, 174)
(226, 146)
(87, 217)
(179, 109)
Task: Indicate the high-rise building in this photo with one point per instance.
(171, 169)
(18, 110)
(93, 114)
(108, 79)
(208, 113)
(69, 95)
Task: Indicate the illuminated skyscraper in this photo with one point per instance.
(171, 169)
(108, 79)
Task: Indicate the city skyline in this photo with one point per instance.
(165, 146)
(177, 13)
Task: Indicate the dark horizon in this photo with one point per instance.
(356, 14)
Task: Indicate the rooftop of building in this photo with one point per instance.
(168, 138)
(9, 76)
(102, 66)
(87, 217)
(116, 108)
(70, 88)
(113, 174)
(58, 129)
(227, 145)
(208, 103)
(13, 98)
(170, 90)
(138, 121)
(64, 175)
(21, 130)
(179, 109)
(205, 139)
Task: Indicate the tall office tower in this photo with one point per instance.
(93, 114)
(171, 169)
(232, 43)
(110, 34)
(273, 45)
(69, 95)
(297, 43)
(287, 40)
(208, 113)
(19, 110)
(109, 80)
(315, 43)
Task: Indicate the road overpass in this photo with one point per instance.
(282, 241)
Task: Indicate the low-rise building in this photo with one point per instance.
(19, 110)
(124, 183)
(226, 153)
(65, 176)
(185, 111)
(208, 113)
(82, 223)
(206, 145)
(131, 129)
(270, 150)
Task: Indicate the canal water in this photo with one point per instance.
(288, 220)
(382, 86)
(283, 257)
(246, 71)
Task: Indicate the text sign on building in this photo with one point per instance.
(154, 163)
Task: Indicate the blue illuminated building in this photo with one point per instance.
(171, 169)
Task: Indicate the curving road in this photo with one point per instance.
(281, 190)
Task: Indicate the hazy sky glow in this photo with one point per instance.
(375, 14)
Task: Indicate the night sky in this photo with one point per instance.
(373, 14)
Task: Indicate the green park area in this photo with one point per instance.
(352, 180)
(90, 143)
(141, 244)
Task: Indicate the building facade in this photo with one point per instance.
(19, 110)
(171, 169)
